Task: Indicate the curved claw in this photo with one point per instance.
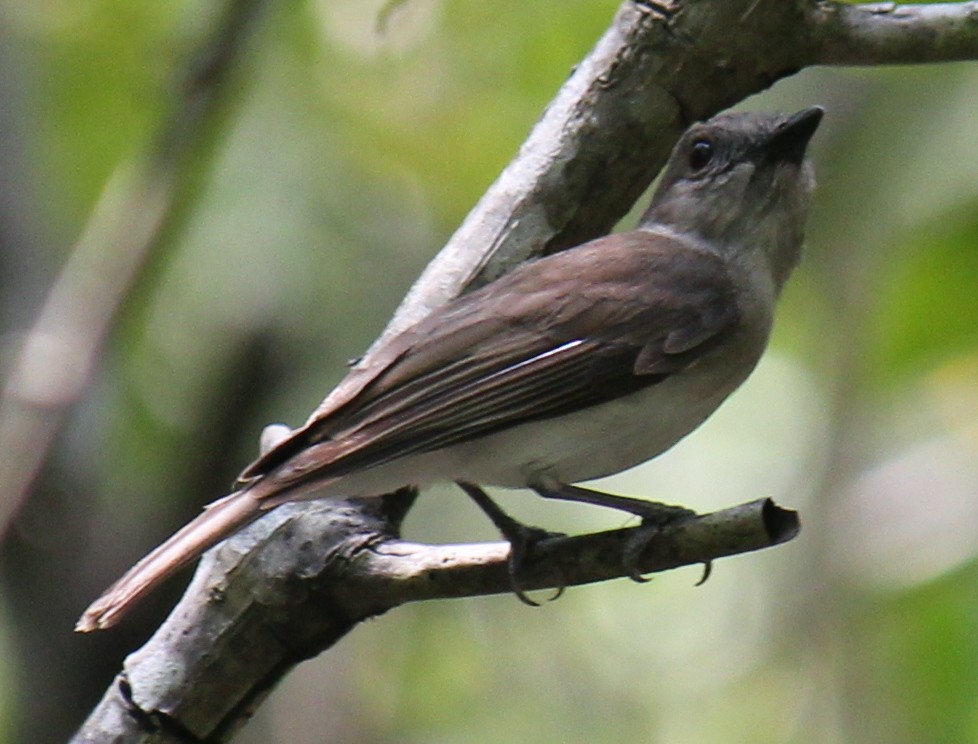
(638, 578)
(660, 515)
(707, 570)
(634, 546)
(521, 539)
(517, 552)
(521, 542)
(522, 597)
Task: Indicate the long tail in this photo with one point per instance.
(219, 519)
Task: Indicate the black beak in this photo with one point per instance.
(789, 140)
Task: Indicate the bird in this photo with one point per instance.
(570, 367)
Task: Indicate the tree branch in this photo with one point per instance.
(657, 69)
(395, 573)
(886, 33)
(252, 613)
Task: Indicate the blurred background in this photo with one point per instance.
(341, 157)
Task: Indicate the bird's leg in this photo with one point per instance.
(654, 514)
(650, 511)
(521, 537)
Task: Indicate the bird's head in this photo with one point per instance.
(741, 182)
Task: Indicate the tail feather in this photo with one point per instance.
(219, 520)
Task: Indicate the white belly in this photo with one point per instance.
(592, 443)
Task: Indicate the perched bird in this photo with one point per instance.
(569, 368)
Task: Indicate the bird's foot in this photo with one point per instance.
(654, 515)
(522, 539)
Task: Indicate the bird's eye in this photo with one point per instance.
(700, 154)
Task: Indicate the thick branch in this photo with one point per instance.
(658, 68)
(253, 614)
(885, 33)
(599, 144)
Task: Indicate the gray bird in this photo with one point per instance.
(569, 368)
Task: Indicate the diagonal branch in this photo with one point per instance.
(603, 138)
(659, 67)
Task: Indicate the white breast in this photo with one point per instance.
(601, 440)
(592, 443)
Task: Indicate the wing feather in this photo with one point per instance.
(538, 343)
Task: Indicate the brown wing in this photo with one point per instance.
(555, 336)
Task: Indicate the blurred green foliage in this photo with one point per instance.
(348, 155)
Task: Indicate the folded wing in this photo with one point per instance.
(560, 335)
